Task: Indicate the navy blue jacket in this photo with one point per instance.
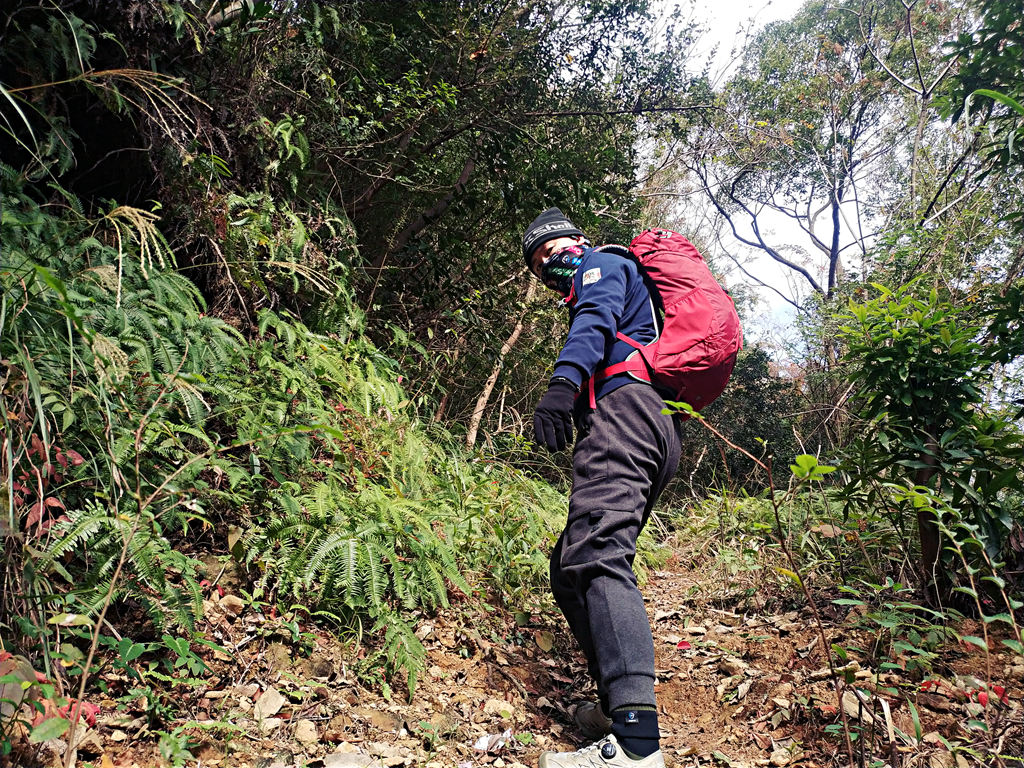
(609, 296)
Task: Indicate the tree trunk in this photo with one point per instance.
(424, 220)
(927, 525)
(485, 395)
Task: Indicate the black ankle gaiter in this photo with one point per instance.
(636, 730)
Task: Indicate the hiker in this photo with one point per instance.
(626, 452)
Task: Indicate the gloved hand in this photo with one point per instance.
(552, 421)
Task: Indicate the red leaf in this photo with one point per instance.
(53, 501)
(983, 698)
(62, 460)
(85, 711)
(76, 458)
(683, 645)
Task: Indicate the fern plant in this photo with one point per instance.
(350, 553)
(89, 542)
(109, 355)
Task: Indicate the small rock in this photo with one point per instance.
(305, 732)
(855, 709)
(694, 630)
(90, 744)
(350, 760)
(118, 735)
(270, 724)
(232, 604)
(336, 728)
(278, 657)
(269, 704)
(732, 666)
(247, 691)
(499, 707)
(781, 757)
(383, 750)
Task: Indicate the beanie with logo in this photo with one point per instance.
(549, 225)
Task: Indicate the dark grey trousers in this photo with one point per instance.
(620, 466)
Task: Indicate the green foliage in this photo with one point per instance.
(754, 411)
(990, 70)
(106, 352)
(343, 551)
(907, 636)
(922, 370)
(175, 422)
(917, 359)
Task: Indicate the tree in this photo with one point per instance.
(808, 129)
(924, 379)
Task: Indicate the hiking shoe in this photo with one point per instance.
(593, 723)
(604, 754)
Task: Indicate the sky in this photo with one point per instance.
(726, 20)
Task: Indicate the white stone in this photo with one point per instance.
(269, 704)
(270, 724)
(305, 732)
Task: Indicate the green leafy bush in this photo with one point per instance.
(922, 365)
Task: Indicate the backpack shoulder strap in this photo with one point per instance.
(618, 250)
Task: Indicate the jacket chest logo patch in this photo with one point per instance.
(591, 275)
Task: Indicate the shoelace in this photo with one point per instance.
(596, 747)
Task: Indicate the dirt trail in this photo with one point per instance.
(735, 688)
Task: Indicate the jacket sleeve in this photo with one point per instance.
(600, 286)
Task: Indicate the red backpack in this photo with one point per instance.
(700, 337)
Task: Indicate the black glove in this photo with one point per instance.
(552, 421)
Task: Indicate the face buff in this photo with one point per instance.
(559, 269)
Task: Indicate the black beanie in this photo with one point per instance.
(549, 225)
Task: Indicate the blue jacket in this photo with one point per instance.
(609, 296)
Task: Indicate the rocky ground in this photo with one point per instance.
(737, 686)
